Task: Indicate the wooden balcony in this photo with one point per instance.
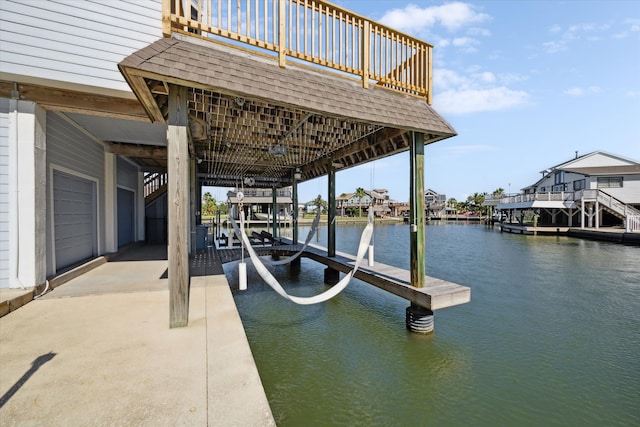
(317, 33)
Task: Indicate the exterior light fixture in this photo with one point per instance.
(278, 150)
(297, 175)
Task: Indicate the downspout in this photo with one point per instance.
(15, 242)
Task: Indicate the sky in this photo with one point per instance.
(525, 84)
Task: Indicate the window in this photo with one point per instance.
(610, 182)
(559, 177)
(578, 185)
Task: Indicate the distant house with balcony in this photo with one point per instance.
(598, 189)
(350, 204)
(258, 204)
(435, 204)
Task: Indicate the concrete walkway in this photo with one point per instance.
(98, 351)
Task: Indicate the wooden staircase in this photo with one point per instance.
(155, 185)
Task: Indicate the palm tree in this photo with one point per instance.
(319, 202)
(360, 194)
(209, 204)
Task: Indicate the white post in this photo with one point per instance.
(110, 202)
(27, 185)
(242, 276)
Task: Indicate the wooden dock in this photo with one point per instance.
(436, 294)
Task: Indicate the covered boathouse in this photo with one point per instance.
(280, 91)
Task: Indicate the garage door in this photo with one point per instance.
(125, 216)
(74, 210)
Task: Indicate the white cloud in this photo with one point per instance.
(579, 91)
(451, 16)
(479, 32)
(465, 43)
(476, 90)
(584, 31)
(632, 93)
(478, 100)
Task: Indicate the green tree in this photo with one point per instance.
(209, 204)
(360, 194)
(475, 201)
(319, 202)
(223, 208)
(453, 203)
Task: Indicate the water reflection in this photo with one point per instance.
(551, 336)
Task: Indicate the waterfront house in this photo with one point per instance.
(113, 115)
(435, 204)
(258, 204)
(597, 189)
(350, 204)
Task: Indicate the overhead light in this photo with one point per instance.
(199, 160)
(239, 101)
(278, 150)
(297, 175)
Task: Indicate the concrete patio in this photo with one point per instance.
(98, 350)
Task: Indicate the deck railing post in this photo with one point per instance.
(282, 45)
(166, 18)
(366, 52)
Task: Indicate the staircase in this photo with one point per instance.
(155, 185)
(628, 214)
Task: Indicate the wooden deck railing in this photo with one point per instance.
(312, 31)
(154, 182)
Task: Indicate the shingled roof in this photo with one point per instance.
(311, 113)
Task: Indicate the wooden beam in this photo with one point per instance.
(142, 91)
(134, 150)
(178, 207)
(72, 101)
(416, 210)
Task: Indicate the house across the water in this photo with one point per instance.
(594, 190)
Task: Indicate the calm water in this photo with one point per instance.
(551, 336)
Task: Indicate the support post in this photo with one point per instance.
(331, 276)
(110, 203)
(294, 212)
(418, 319)
(331, 214)
(274, 210)
(416, 206)
(178, 206)
(27, 179)
(192, 206)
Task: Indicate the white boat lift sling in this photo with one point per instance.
(365, 239)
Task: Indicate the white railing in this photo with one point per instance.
(633, 223)
(616, 205)
(531, 197)
(154, 182)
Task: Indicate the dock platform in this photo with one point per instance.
(436, 294)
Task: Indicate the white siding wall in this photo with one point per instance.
(70, 148)
(4, 193)
(630, 191)
(74, 42)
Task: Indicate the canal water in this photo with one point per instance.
(551, 336)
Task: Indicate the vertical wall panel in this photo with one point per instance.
(4, 193)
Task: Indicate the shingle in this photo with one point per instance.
(239, 72)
